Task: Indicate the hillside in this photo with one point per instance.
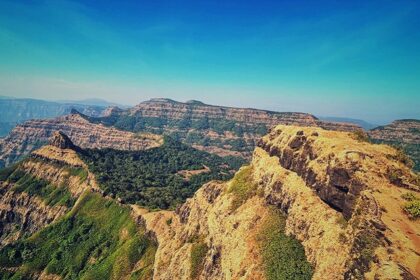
(56, 224)
(17, 110)
(219, 130)
(401, 133)
(312, 204)
(215, 129)
(30, 135)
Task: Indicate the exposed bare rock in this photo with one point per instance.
(111, 111)
(317, 178)
(31, 135)
(61, 141)
(24, 214)
(215, 129)
(406, 131)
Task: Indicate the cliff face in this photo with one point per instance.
(338, 200)
(312, 203)
(195, 110)
(405, 134)
(41, 189)
(32, 134)
(407, 131)
(215, 129)
(18, 110)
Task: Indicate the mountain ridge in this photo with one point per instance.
(316, 203)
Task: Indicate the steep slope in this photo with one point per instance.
(41, 189)
(17, 110)
(216, 129)
(32, 134)
(312, 204)
(56, 224)
(337, 198)
(402, 133)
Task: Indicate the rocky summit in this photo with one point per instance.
(62, 141)
(312, 204)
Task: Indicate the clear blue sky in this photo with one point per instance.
(343, 58)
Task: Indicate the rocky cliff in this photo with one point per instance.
(337, 194)
(17, 110)
(216, 129)
(312, 204)
(32, 134)
(402, 133)
(41, 189)
(407, 131)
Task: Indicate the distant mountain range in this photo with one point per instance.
(93, 102)
(17, 110)
(364, 124)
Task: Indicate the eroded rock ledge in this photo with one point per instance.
(308, 173)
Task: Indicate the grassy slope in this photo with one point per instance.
(97, 239)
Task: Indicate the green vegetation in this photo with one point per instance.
(150, 178)
(361, 136)
(79, 172)
(283, 256)
(190, 130)
(97, 239)
(402, 157)
(51, 194)
(408, 153)
(6, 172)
(412, 206)
(366, 244)
(198, 253)
(242, 187)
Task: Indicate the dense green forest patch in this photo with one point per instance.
(150, 178)
(97, 239)
(283, 256)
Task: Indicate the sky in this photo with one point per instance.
(356, 59)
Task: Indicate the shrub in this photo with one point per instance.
(242, 187)
(283, 256)
(409, 196)
(402, 157)
(361, 136)
(198, 253)
(412, 208)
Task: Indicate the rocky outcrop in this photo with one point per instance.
(224, 131)
(403, 133)
(61, 141)
(338, 200)
(31, 135)
(406, 131)
(195, 110)
(23, 213)
(17, 110)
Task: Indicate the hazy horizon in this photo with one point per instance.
(354, 60)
